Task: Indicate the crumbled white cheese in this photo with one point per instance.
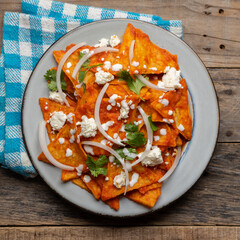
(111, 158)
(109, 107)
(68, 152)
(57, 120)
(123, 52)
(163, 131)
(86, 179)
(136, 72)
(46, 108)
(104, 142)
(117, 57)
(171, 78)
(88, 149)
(153, 68)
(99, 69)
(70, 117)
(119, 180)
(106, 178)
(114, 41)
(171, 120)
(132, 106)
(102, 59)
(55, 96)
(156, 138)
(124, 110)
(78, 86)
(153, 158)
(72, 139)
(144, 66)
(67, 71)
(112, 99)
(117, 67)
(75, 93)
(103, 77)
(107, 65)
(167, 154)
(69, 64)
(170, 112)
(61, 140)
(181, 127)
(88, 127)
(103, 42)
(135, 64)
(134, 179)
(85, 51)
(79, 170)
(122, 128)
(106, 125)
(164, 102)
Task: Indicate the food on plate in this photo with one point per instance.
(117, 117)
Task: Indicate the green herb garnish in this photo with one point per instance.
(134, 137)
(152, 125)
(134, 86)
(50, 76)
(96, 167)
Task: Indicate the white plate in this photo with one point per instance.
(205, 108)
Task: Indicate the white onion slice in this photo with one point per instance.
(59, 70)
(114, 153)
(151, 85)
(97, 117)
(150, 136)
(90, 54)
(131, 51)
(173, 167)
(48, 155)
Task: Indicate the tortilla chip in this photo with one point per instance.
(149, 199)
(58, 151)
(68, 175)
(79, 182)
(145, 189)
(146, 177)
(92, 186)
(48, 106)
(153, 57)
(182, 113)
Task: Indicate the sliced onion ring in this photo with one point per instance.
(43, 144)
(151, 85)
(97, 117)
(59, 70)
(90, 54)
(131, 51)
(114, 153)
(173, 167)
(150, 136)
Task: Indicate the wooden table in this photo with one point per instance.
(211, 209)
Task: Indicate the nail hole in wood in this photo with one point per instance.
(204, 35)
(228, 91)
(222, 46)
(229, 133)
(221, 11)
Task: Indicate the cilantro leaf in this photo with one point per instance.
(50, 76)
(86, 63)
(152, 125)
(81, 76)
(134, 86)
(130, 127)
(96, 167)
(135, 139)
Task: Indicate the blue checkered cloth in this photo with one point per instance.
(26, 36)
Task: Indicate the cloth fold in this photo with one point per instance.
(26, 36)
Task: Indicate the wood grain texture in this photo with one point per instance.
(107, 233)
(214, 200)
(210, 28)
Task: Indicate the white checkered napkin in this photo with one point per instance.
(25, 38)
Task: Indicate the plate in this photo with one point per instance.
(205, 109)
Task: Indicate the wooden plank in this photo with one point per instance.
(227, 83)
(107, 233)
(214, 200)
(211, 29)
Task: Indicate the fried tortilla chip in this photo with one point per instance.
(146, 177)
(79, 182)
(48, 106)
(68, 175)
(182, 114)
(149, 199)
(145, 189)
